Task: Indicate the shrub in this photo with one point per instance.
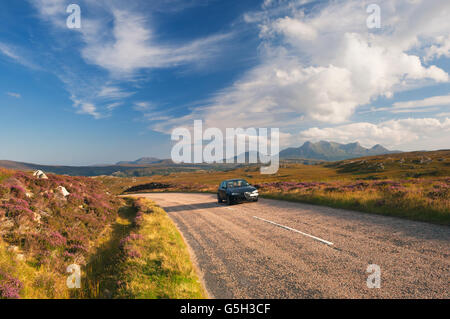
(10, 287)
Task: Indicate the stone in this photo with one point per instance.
(63, 191)
(40, 174)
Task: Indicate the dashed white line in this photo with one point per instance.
(296, 231)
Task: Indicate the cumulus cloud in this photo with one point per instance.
(441, 48)
(321, 64)
(405, 134)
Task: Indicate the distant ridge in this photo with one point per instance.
(142, 161)
(332, 151)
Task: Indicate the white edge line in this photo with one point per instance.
(296, 231)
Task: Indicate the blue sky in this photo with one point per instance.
(116, 88)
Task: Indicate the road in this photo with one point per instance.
(277, 249)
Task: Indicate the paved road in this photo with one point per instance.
(274, 255)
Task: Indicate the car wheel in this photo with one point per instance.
(219, 200)
(229, 200)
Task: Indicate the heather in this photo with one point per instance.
(42, 231)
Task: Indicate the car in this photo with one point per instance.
(236, 190)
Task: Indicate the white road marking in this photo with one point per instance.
(296, 231)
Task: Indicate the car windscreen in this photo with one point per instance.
(237, 183)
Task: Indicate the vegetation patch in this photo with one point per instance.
(144, 257)
(44, 229)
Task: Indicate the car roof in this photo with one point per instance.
(235, 179)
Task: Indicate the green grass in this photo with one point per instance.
(39, 282)
(162, 268)
(104, 267)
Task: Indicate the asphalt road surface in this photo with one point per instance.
(277, 249)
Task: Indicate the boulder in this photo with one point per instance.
(63, 191)
(40, 174)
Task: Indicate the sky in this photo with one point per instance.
(115, 88)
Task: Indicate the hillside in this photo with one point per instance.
(50, 224)
(331, 151)
(43, 229)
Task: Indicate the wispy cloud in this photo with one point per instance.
(114, 92)
(442, 100)
(86, 108)
(13, 53)
(123, 42)
(15, 95)
(143, 106)
(134, 46)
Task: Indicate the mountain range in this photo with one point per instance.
(331, 151)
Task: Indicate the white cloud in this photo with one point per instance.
(295, 29)
(439, 49)
(122, 41)
(113, 92)
(443, 100)
(15, 95)
(143, 106)
(321, 65)
(407, 134)
(134, 46)
(113, 106)
(12, 53)
(86, 108)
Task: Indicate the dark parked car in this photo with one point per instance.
(236, 190)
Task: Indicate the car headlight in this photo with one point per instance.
(234, 194)
(255, 192)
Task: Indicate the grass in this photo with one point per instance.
(35, 282)
(104, 267)
(143, 256)
(410, 206)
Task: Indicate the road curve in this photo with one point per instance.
(273, 249)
